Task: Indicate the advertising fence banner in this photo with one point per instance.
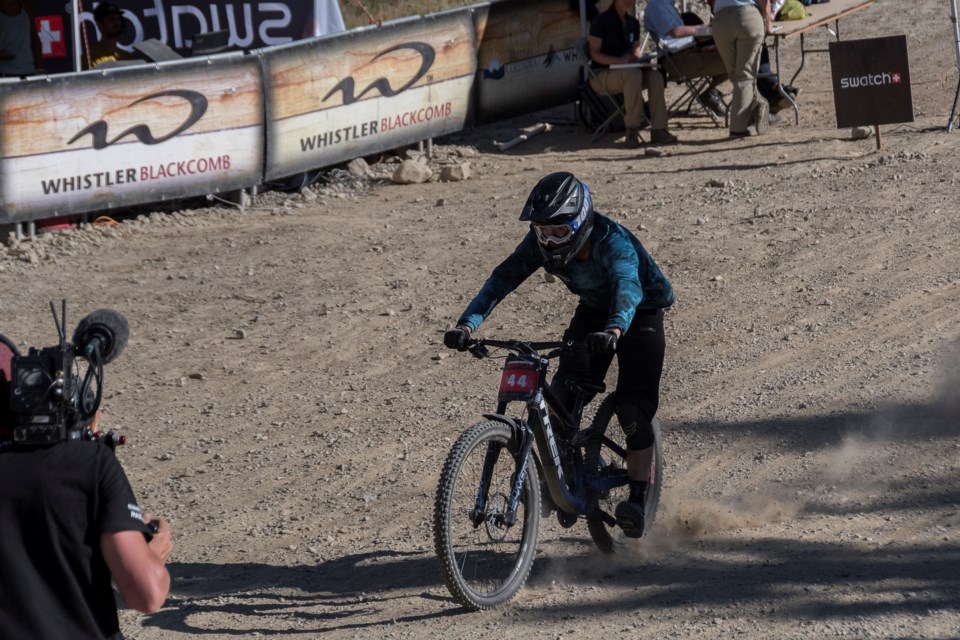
(252, 24)
(526, 57)
(91, 141)
(366, 91)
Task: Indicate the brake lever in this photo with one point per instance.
(480, 351)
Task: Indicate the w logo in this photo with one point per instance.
(346, 86)
(98, 130)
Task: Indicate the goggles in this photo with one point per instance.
(553, 234)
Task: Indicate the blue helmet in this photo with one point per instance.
(560, 213)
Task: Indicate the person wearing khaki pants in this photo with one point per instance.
(739, 27)
(615, 39)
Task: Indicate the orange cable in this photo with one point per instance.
(370, 15)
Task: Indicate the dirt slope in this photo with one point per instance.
(289, 406)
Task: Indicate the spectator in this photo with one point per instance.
(768, 84)
(109, 19)
(739, 28)
(71, 523)
(20, 53)
(615, 39)
(688, 56)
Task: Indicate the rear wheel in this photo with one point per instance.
(485, 558)
(606, 457)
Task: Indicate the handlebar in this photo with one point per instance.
(478, 347)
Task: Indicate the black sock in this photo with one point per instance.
(638, 490)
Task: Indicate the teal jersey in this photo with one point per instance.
(618, 277)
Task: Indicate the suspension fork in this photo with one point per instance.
(478, 515)
(520, 475)
(523, 435)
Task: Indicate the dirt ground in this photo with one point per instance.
(288, 403)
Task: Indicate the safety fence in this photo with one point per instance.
(101, 139)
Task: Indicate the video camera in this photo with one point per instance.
(56, 391)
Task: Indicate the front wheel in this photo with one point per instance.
(485, 553)
(606, 457)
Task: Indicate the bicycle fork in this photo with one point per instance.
(508, 518)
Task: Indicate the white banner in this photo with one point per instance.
(340, 98)
(91, 142)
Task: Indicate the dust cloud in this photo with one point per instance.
(686, 518)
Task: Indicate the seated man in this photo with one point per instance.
(615, 39)
(687, 56)
(109, 19)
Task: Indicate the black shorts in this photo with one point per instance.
(640, 353)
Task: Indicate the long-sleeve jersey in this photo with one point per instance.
(618, 276)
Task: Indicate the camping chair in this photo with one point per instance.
(693, 87)
(600, 113)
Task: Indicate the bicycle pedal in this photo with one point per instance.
(565, 519)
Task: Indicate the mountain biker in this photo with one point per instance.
(622, 296)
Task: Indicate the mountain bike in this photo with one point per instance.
(503, 474)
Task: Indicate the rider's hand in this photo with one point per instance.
(602, 342)
(457, 338)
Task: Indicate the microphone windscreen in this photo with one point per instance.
(108, 328)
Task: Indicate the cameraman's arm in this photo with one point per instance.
(137, 567)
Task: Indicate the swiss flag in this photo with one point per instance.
(895, 77)
(50, 30)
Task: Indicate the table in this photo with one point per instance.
(818, 15)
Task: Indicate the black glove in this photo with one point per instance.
(456, 339)
(601, 342)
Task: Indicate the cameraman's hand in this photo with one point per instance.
(95, 423)
(138, 567)
(457, 338)
(602, 342)
(162, 542)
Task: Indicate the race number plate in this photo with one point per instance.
(520, 381)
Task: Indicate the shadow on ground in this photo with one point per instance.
(781, 578)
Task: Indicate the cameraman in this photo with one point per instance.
(70, 522)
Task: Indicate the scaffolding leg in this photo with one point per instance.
(953, 111)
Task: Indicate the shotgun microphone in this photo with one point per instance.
(105, 330)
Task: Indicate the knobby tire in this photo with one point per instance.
(484, 565)
(600, 458)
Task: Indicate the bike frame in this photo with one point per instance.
(538, 428)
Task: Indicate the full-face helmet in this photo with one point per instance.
(560, 213)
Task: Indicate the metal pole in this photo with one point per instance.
(77, 44)
(956, 29)
(583, 19)
(956, 46)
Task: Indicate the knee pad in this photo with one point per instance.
(637, 430)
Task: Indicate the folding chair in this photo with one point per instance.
(600, 113)
(693, 87)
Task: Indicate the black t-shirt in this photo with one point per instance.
(619, 36)
(54, 504)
